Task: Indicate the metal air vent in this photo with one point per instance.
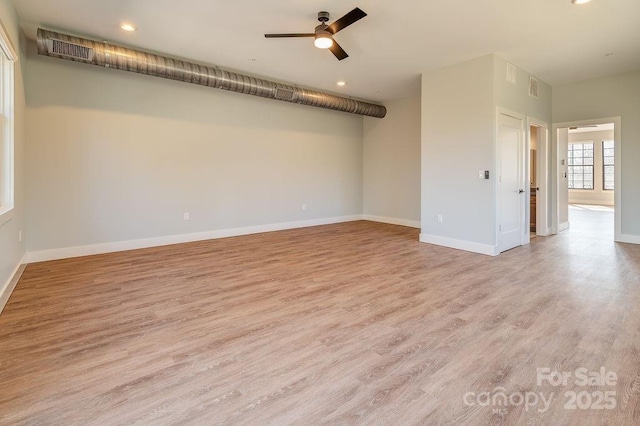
(284, 94)
(533, 87)
(70, 50)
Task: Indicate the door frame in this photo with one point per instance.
(543, 227)
(555, 182)
(498, 169)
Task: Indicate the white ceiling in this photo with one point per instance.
(389, 49)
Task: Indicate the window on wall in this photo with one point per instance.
(7, 58)
(608, 175)
(580, 165)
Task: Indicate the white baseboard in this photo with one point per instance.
(460, 244)
(543, 233)
(592, 202)
(87, 250)
(392, 220)
(628, 238)
(10, 285)
(563, 227)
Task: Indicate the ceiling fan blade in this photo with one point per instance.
(582, 127)
(348, 19)
(289, 35)
(338, 51)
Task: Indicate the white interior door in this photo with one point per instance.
(511, 183)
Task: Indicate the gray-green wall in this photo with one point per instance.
(613, 96)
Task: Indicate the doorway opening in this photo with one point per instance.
(538, 172)
(523, 179)
(588, 178)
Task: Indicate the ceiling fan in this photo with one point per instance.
(582, 127)
(324, 33)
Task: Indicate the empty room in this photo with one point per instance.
(345, 213)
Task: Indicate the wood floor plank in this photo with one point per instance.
(354, 323)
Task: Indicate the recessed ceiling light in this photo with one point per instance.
(580, 1)
(341, 83)
(128, 27)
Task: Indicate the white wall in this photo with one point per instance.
(457, 142)
(515, 97)
(597, 195)
(11, 250)
(392, 164)
(614, 96)
(459, 107)
(115, 156)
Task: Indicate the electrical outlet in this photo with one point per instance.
(440, 218)
(304, 207)
(187, 216)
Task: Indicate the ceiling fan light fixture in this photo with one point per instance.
(323, 40)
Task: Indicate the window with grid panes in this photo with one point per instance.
(608, 170)
(7, 58)
(580, 165)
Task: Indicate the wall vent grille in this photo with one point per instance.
(533, 87)
(284, 94)
(512, 74)
(70, 50)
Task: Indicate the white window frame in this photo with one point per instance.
(8, 58)
(604, 166)
(570, 171)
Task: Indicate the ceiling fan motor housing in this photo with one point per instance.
(323, 16)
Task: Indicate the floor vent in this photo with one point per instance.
(533, 87)
(70, 50)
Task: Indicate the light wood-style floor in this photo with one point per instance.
(354, 323)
